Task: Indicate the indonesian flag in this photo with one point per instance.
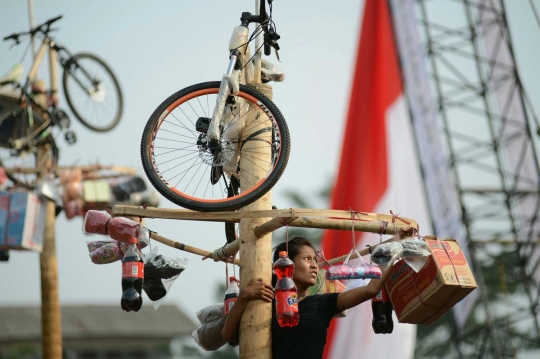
(379, 172)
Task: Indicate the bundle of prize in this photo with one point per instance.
(160, 272)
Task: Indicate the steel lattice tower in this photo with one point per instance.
(485, 121)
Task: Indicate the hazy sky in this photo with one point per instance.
(159, 47)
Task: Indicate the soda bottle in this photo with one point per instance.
(132, 278)
(382, 313)
(285, 292)
(231, 294)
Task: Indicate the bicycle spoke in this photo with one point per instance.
(174, 124)
(162, 172)
(167, 139)
(185, 116)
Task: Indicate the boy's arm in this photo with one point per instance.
(255, 289)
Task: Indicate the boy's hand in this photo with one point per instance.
(257, 289)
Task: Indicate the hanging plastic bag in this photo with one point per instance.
(210, 313)
(121, 229)
(208, 335)
(96, 222)
(413, 251)
(160, 272)
(347, 271)
(105, 252)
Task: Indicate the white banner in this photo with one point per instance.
(441, 190)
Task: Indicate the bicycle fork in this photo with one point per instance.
(225, 90)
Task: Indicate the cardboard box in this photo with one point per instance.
(97, 191)
(4, 212)
(423, 297)
(26, 222)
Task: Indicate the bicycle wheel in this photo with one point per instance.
(44, 153)
(180, 164)
(92, 92)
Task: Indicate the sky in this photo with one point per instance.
(158, 48)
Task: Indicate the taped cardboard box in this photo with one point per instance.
(26, 222)
(424, 297)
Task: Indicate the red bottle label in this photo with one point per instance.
(132, 270)
(229, 302)
(382, 296)
(286, 301)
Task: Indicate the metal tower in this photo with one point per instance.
(472, 121)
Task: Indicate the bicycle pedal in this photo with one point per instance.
(215, 174)
(62, 119)
(70, 137)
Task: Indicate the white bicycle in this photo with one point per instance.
(200, 146)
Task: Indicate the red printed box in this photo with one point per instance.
(424, 297)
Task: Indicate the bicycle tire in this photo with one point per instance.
(79, 67)
(279, 148)
(46, 150)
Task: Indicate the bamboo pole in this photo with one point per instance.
(255, 253)
(325, 223)
(85, 168)
(51, 325)
(235, 217)
(184, 247)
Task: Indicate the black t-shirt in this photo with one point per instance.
(307, 339)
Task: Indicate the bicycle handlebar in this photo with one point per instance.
(44, 28)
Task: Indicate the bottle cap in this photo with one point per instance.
(133, 240)
(232, 279)
(283, 253)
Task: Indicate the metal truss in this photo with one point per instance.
(485, 116)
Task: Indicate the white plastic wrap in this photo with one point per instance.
(413, 251)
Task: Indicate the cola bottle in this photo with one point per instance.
(382, 313)
(132, 278)
(285, 292)
(231, 294)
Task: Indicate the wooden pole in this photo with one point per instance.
(51, 325)
(285, 214)
(185, 247)
(255, 261)
(326, 223)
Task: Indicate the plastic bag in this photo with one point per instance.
(413, 251)
(210, 313)
(160, 272)
(346, 271)
(105, 252)
(96, 222)
(208, 335)
(121, 229)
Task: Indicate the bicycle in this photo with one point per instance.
(243, 129)
(92, 92)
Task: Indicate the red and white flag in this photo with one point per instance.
(379, 172)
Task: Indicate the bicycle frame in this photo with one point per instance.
(45, 128)
(241, 61)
